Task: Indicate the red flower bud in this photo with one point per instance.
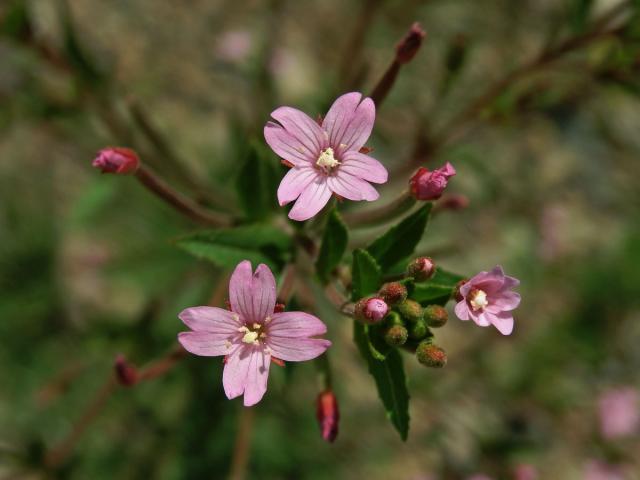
(435, 316)
(371, 310)
(456, 292)
(421, 269)
(328, 415)
(407, 48)
(426, 185)
(393, 293)
(117, 160)
(431, 355)
(126, 373)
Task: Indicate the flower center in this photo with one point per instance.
(252, 335)
(478, 299)
(326, 160)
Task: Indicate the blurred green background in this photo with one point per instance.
(88, 268)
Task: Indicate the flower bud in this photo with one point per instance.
(396, 335)
(393, 293)
(410, 310)
(407, 48)
(435, 316)
(418, 330)
(117, 160)
(453, 201)
(429, 185)
(328, 415)
(371, 310)
(456, 291)
(421, 269)
(431, 355)
(126, 373)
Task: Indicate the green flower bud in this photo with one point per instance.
(418, 330)
(396, 335)
(435, 316)
(431, 355)
(393, 318)
(393, 293)
(410, 310)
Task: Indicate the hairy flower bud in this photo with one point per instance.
(421, 269)
(435, 316)
(418, 330)
(396, 335)
(117, 160)
(407, 48)
(328, 415)
(371, 310)
(429, 185)
(410, 310)
(431, 355)
(126, 373)
(393, 293)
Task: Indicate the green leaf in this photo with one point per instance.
(366, 275)
(334, 244)
(377, 346)
(257, 184)
(390, 381)
(228, 247)
(437, 290)
(400, 240)
(16, 22)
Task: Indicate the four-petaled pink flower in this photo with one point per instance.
(251, 334)
(488, 300)
(429, 185)
(325, 158)
(619, 412)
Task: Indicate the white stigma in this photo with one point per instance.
(250, 337)
(326, 159)
(478, 299)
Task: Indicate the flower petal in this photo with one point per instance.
(257, 376)
(209, 319)
(286, 146)
(253, 296)
(303, 129)
(236, 368)
(503, 321)
(207, 344)
(504, 301)
(240, 289)
(264, 293)
(311, 201)
(297, 349)
(349, 122)
(364, 167)
(352, 188)
(295, 325)
(462, 310)
(294, 183)
(337, 119)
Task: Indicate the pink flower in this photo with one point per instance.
(487, 300)
(525, 472)
(325, 158)
(234, 45)
(117, 160)
(619, 415)
(426, 185)
(251, 334)
(596, 470)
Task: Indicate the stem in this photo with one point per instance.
(180, 202)
(287, 287)
(381, 214)
(384, 85)
(242, 445)
(325, 375)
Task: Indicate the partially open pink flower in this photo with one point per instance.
(487, 299)
(325, 158)
(429, 185)
(251, 334)
(619, 412)
(117, 160)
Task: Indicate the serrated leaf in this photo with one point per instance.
(390, 381)
(366, 275)
(400, 240)
(228, 247)
(377, 346)
(257, 184)
(334, 244)
(437, 290)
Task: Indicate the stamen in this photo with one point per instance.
(326, 159)
(257, 326)
(251, 337)
(267, 319)
(478, 299)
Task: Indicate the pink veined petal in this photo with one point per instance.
(209, 319)
(286, 146)
(311, 201)
(263, 293)
(339, 115)
(364, 167)
(351, 188)
(510, 282)
(297, 349)
(257, 376)
(448, 169)
(479, 317)
(240, 290)
(295, 325)
(236, 368)
(294, 183)
(305, 130)
(503, 321)
(360, 126)
(504, 301)
(206, 344)
(462, 310)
